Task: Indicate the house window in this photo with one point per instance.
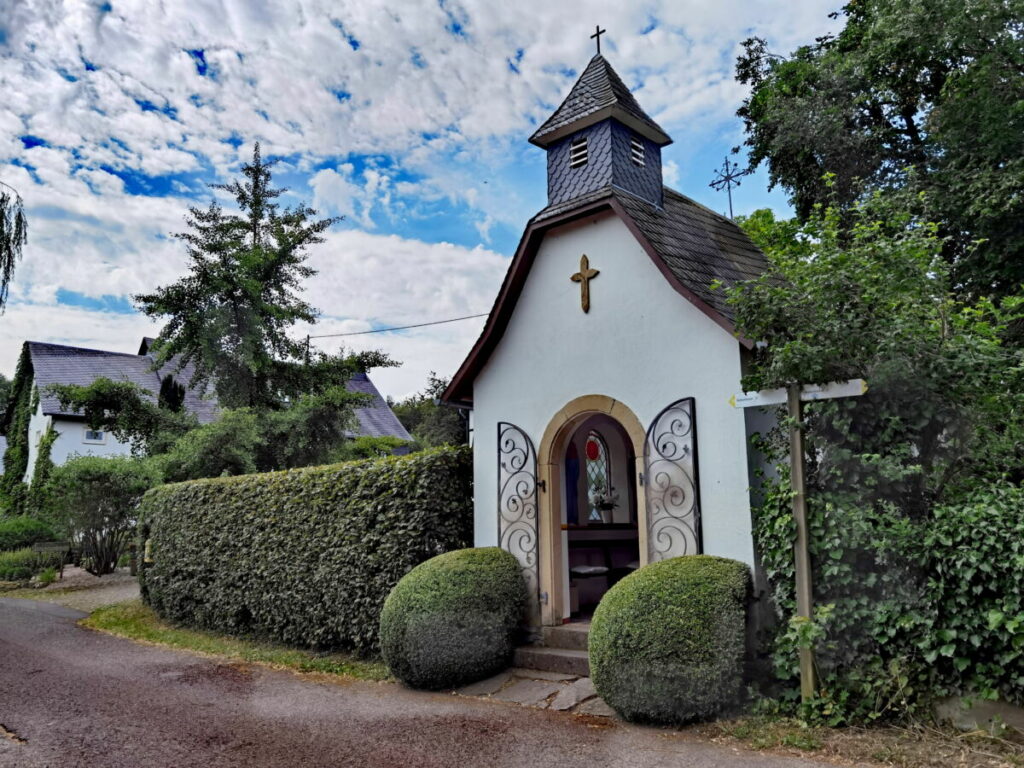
(636, 150)
(95, 436)
(599, 473)
(578, 153)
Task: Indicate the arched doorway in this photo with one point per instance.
(593, 528)
(599, 512)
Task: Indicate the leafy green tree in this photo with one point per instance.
(366, 447)
(23, 400)
(230, 316)
(933, 86)
(127, 411)
(866, 293)
(431, 423)
(95, 501)
(5, 393)
(13, 236)
(311, 430)
(227, 446)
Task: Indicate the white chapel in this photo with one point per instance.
(603, 437)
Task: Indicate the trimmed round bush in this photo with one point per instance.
(667, 642)
(23, 531)
(452, 620)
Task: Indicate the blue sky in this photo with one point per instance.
(409, 119)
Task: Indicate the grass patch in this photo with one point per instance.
(138, 622)
(920, 746)
(768, 733)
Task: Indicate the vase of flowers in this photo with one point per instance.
(604, 499)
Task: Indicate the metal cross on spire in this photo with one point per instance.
(729, 176)
(597, 36)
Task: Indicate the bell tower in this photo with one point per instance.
(600, 137)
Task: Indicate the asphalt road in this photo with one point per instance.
(73, 697)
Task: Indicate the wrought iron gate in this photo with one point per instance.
(517, 503)
(672, 490)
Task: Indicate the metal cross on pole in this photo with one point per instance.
(794, 396)
(728, 177)
(597, 36)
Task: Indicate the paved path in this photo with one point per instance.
(73, 697)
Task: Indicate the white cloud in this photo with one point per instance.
(118, 93)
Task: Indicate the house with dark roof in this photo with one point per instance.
(599, 388)
(60, 364)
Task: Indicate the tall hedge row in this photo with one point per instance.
(305, 556)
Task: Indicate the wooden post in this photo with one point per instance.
(801, 553)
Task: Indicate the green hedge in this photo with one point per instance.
(23, 531)
(23, 564)
(452, 619)
(667, 642)
(305, 556)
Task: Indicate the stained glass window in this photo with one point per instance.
(599, 486)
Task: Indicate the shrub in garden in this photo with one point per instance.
(23, 564)
(23, 531)
(99, 497)
(305, 556)
(452, 619)
(667, 642)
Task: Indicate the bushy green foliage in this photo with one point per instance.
(452, 620)
(429, 422)
(305, 556)
(23, 531)
(867, 294)
(226, 446)
(667, 642)
(310, 430)
(23, 564)
(929, 85)
(127, 411)
(366, 447)
(95, 500)
(970, 632)
(13, 491)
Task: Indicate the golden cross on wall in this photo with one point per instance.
(583, 277)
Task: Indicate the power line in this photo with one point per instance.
(396, 328)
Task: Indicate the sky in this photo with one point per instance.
(409, 119)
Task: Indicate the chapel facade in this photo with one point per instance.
(603, 436)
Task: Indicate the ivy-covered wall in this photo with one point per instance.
(13, 492)
(305, 556)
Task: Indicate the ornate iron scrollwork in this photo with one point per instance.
(517, 502)
(672, 491)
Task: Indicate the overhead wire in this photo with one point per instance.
(396, 328)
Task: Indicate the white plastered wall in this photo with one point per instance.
(70, 441)
(642, 343)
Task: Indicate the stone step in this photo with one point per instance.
(568, 661)
(569, 636)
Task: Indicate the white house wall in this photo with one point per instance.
(641, 343)
(70, 441)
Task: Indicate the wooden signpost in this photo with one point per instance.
(793, 396)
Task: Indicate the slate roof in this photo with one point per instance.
(698, 246)
(377, 419)
(695, 245)
(598, 91)
(59, 364)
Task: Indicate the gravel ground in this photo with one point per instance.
(82, 591)
(72, 697)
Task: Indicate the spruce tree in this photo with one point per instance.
(228, 318)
